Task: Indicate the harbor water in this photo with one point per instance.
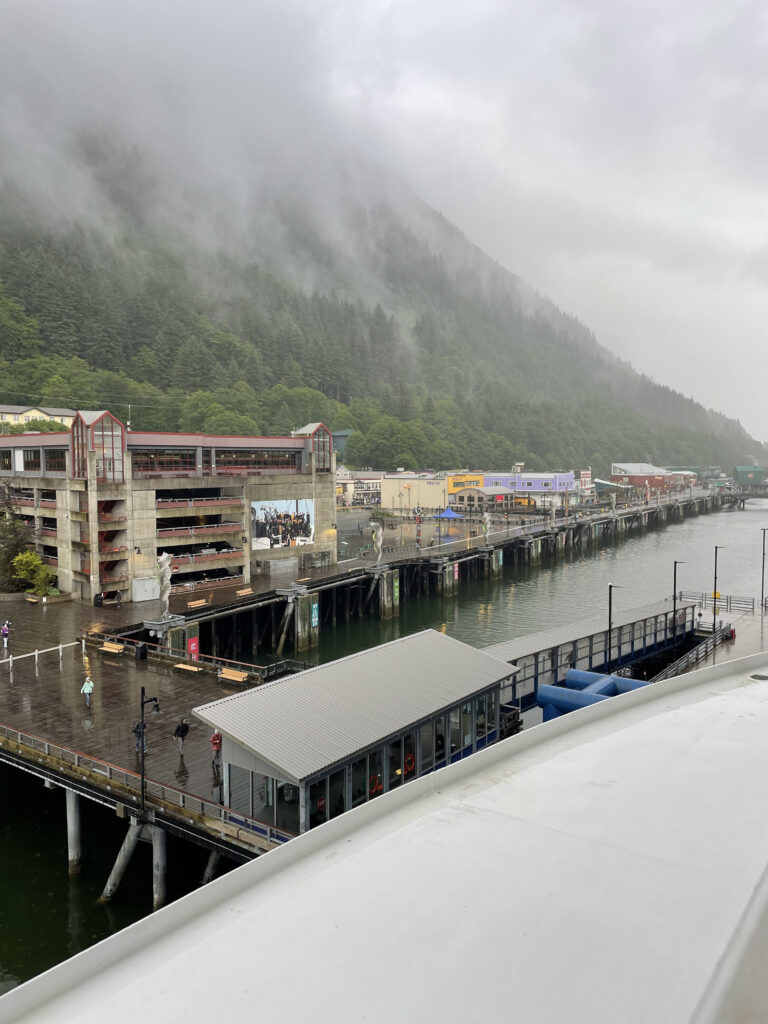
(45, 917)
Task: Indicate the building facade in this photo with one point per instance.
(104, 502)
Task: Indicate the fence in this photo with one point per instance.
(161, 794)
(725, 602)
(47, 650)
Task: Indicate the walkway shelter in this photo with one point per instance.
(306, 748)
(545, 658)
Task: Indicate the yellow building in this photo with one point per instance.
(26, 413)
(458, 481)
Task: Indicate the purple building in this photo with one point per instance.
(533, 483)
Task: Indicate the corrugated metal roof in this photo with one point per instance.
(307, 722)
(513, 650)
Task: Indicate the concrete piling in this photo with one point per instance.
(74, 843)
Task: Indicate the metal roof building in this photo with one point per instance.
(608, 866)
(307, 747)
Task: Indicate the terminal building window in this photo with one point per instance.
(321, 446)
(395, 763)
(56, 461)
(32, 463)
(164, 460)
(359, 781)
(5, 460)
(251, 460)
(107, 440)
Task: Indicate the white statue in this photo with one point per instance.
(164, 579)
(377, 535)
(486, 524)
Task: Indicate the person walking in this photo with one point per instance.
(5, 631)
(216, 740)
(180, 733)
(87, 689)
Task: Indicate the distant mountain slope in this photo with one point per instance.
(344, 297)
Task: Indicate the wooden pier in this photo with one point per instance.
(289, 621)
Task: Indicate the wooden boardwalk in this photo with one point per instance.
(47, 702)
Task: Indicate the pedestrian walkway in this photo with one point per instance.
(45, 700)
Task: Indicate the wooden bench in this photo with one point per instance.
(187, 666)
(245, 592)
(232, 675)
(111, 648)
(201, 603)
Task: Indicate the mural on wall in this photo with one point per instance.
(288, 523)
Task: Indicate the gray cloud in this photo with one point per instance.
(612, 154)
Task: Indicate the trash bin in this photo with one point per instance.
(98, 600)
(141, 652)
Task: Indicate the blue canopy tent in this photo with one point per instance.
(449, 514)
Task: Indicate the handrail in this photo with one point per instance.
(181, 531)
(693, 657)
(172, 655)
(172, 503)
(161, 792)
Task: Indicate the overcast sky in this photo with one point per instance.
(613, 154)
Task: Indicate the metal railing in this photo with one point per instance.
(174, 503)
(699, 653)
(225, 581)
(59, 648)
(184, 531)
(725, 602)
(163, 796)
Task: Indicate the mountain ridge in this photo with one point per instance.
(363, 294)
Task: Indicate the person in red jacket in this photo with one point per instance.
(216, 749)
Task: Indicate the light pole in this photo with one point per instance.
(674, 606)
(611, 588)
(762, 574)
(714, 592)
(144, 701)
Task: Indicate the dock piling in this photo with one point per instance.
(121, 863)
(74, 842)
(158, 867)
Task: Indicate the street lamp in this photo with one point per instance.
(611, 588)
(718, 547)
(674, 606)
(144, 701)
(762, 575)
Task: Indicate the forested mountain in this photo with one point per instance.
(351, 302)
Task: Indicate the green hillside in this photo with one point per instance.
(382, 318)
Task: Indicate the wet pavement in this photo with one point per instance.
(45, 701)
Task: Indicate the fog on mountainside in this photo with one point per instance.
(187, 241)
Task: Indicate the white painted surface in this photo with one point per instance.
(605, 867)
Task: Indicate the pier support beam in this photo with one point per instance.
(74, 842)
(123, 859)
(210, 867)
(389, 594)
(159, 863)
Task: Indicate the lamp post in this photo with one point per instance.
(714, 592)
(144, 701)
(762, 574)
(611, 588)
(674, 606)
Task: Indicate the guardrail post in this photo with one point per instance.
(61, 653)
(37, 659)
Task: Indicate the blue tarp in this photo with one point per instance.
(449, 514)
